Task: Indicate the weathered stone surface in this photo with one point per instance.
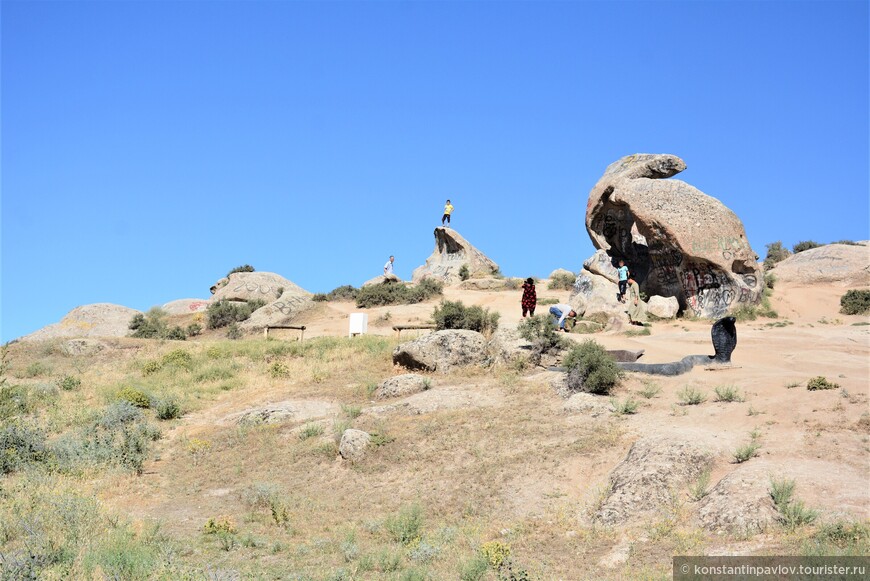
(643, 482)
(602, 264)
(185, 306)
(740, 503)
(82, 347)
(483, 284)
(676, 240)
(663, 307)
(285, 411)
(353, 444)
(452, 251)
(401, 385)
(442, 350)
(382, 279)
(586, 403)
(284, 299)
(507, 346)
(842, 264)
(561, 272)
(96, 320)
(593, 293)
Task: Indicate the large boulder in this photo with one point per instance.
(593, 293)
(382, 279)
(402, 385)
(452, 251)
(663, 307)
(644, 481)
(507, 347)
(740, 504)
(185, 306)
(353, 444)
(96, 320)
(442, 351)
(284, 299)
(842, 264)
(602, 264)
(676, 240)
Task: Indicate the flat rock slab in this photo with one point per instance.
(588, 404)
(440, 399)
(740, 503)
(285, 411)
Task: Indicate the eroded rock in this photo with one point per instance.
(442, 351)
(96, 320)
(402, 385)
(451, 253)
(740, 503)
(353, 444)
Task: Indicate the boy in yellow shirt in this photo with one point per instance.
(448, 209)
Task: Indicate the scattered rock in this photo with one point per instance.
(96, 320)
(442, 351)
(353, 444)
(401, 385)
(586, 403)
(663, 307)
(382, 279)
(676, 240)
(645, 480)
(285, 411)
(740, 503)
(452, 251)
(82, 347)
(185, 306)
(842, 264)
(507, 346)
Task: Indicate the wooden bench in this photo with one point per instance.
(399, 328)
(300, 328)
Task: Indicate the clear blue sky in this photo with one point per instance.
(150, 147)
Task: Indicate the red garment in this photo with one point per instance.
(530, 296)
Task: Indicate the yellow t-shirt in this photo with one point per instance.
(448, 209)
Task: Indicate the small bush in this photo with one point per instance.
(745, 452)
(69, 383)
(194, 329)
(310, 431)
(691, 396)
(464, 274)
(134, 397)
(805, 245)
(650, 390)
(221, 524)
(151, 367)
(152, 325)
(591, 369)
(378, 295)
(728, 393)
(474, 569)
(178, 358)
(541, 332)
(775, 253)
(819, 383)
(406, 526)
(855, 302)
(243, 268)
(698, 489)
(562, 281)
(628, 406)
(20, 444)
(279, 369)
(224, 313)
(769, 280)
(792, 512)
(167, 409)
(496, 553)
(455, 315)
(234, 332)
(320, 298)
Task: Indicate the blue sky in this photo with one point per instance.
(150, 147)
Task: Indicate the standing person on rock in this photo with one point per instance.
(636, 310)
(448, 209)
(530, 297)
(388, 267)
(622, 271)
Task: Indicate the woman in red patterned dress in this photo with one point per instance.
(530, 297)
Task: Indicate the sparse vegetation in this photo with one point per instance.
(698, 489)
(805, 245)
(134, 397)
(855, 302)
(243, 268)
(776, 252)
(541, 332)
(650, 389)
(792, 512)
(378, 295)
(406, 526)
(342, 293)
(728, 393)
(69, 383)
(224, 313)
(624, 407)
(153, 325)
(591, 369)
(746, 452)
(464, 274)
(455, 315)
(562, 281)
(820, 383)
(691, 396)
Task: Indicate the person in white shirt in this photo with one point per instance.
(388, 267)
(562, 312)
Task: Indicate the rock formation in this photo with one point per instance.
(382, 279)
(402, 385)
(442, 350)
(843, 264)
(284, 299)
(96, 320)
(676, 240)
(452, 251)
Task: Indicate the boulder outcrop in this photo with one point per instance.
(382, 279)
(676, 240)
(353, 444)
(96, 320)
(284, 299)
(843, 264)
(740, 503)
(185, 306)
(663, 307)
(442, 351)
(452, 251)
(402, 385)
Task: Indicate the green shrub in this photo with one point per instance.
(745, 452)
(820, 382)
(698, 489)
(650, 390)
(37, 369)
(134, 397)
(406, 526)
(243, 268)
(279, 369)
(69, 383)
(20, 445)
(234, 332)
(178, 358)
(152, 325)
(728, 393)
(464, 274)
(769, 280)
(319, 298)
(474, 569)
(194, 329)
(377, 295)
(455, 315)
(775, 253)
(151, 367)
(792, 512)
(691, 396)
(310, 431)
(167, 409)
(224, 313)
(540, 331)
(855, 302)
(628, 406)
(562, 281)
(223, 524)
(591, 369)
(175, 333)
(805, 245)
